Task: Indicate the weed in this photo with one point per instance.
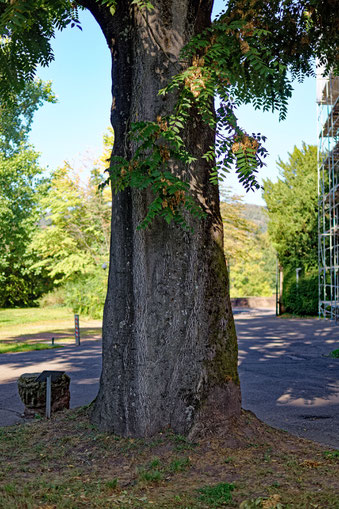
(181, 442)
(265, 503)
(331, 454)
(216, 495)
(229, 459)
(292, 463)
(113, 484)
(275, 484)
(154, 463)
(267, 455)
(179, 464)
(335, 354)
(150, 475)
(9, 489)
(131, 444)
(156, 442)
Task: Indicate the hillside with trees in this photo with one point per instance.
(250, 255)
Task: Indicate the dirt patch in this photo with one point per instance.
(67, 463)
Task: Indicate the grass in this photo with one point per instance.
(19, 316)
(25, 347)
(291, 316)
(216, 496)
(335, 354)
(41, 324)
(66, 463)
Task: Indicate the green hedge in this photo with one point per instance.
(302, 299)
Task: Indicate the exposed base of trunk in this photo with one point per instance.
(222, 405)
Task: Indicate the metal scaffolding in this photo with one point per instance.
(328, 195)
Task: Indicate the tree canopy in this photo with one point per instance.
(292, 209)
(249, 54)
(21, 182)
(75, 237)
(248, 250)
(72, 242)
(167, 304)
(292, 204)
(21, 186)
(16, 115)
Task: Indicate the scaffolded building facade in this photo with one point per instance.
(328, 193)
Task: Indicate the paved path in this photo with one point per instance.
(286, 379)
(82, 363)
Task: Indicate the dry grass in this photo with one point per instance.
(67, 463)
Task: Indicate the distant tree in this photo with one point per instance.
(254, 275)
(21, 184)
(16, 114)
(72, 242)
(249, 252)
(292, 209)
(74, 238)
(293, 227)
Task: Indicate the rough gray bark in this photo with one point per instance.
(169, 342)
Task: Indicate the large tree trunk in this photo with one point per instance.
(169, 342)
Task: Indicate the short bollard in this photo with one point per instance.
(77, 330)
(52, 341)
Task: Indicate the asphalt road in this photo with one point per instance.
(287, 378)
(82, 364)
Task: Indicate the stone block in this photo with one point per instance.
(33, 394)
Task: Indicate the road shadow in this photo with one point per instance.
(287, 376)
(82, 363)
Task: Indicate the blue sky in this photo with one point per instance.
(72, 129)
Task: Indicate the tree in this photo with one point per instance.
(16, 115)
(169, 342)
(21, 183)
(249, 253)
(293, 226)
(72, 242)
(74, 238)
(292, 209)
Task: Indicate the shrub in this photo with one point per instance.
(86, 294)
(53, 299)
(301, 299)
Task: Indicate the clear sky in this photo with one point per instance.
(72, 129)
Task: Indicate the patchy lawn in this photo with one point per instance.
(66, 463)
(24, 347)
(37, 325)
